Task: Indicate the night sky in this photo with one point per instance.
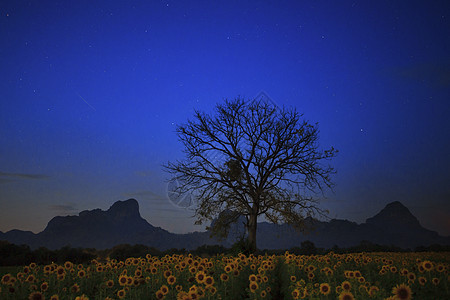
(91, 93)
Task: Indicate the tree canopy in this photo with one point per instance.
(252, 158)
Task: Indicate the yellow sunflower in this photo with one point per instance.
(325, 288)
(253, 286)
(36, 296)
(346, 295)
(402, 292)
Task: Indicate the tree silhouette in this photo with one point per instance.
(251, 159)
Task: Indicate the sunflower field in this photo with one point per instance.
(331, 276)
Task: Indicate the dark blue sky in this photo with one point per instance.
(91, 92)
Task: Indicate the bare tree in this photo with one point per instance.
(269, 164)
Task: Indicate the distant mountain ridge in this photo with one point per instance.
(123, 224)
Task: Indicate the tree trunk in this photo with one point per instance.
(252, 233)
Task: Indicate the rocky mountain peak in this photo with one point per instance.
(393, 215)
(125, 209)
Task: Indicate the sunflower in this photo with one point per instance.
(12, 280)
(311, 268)
(183, 296)
(60, 271)
(346, 286)
(6, 278)
(75, 288)
(164, 289)
(138, 281)
(346, 295)
(47, 269)
(295, 294)
(159, 294)
(263, 294)
(252, 277)
(253, 286)
(192, 295)
(224, 277)
(325, 288)
(109, 284)
(435, 281)
(304, 293)
(36, 296)
(123, 280)
(121, 293)
(81, 273)
(373, 290)
(171, 279)
(212, 290)
(167, 273)
(54, 297)
(209, 281)
(402, 292)
(21, 276)
(427, 265)
(422, 280)
(411, 276)
(44, 286)
(82, 297)
(310, 275)
(404, 272)
(200, 277)
(193, 288)
(363, 289)
(68, 265)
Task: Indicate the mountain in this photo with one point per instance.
(123, 224)
(393, 225)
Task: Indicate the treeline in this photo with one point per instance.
(15, 255)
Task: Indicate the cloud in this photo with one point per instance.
(8, 177)
(436, 74)
(63, 208)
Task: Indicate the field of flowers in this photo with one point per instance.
(288, 276)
